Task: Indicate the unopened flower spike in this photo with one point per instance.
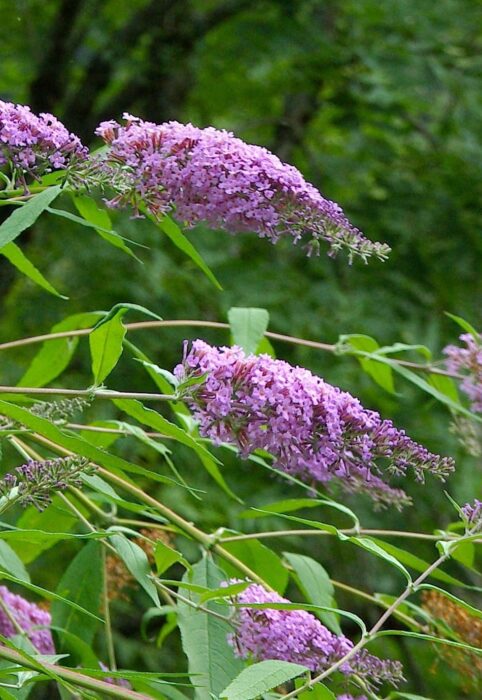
(313, 430)
(35, 483)
(210, 176)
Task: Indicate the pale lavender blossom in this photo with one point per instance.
(28, 617)
(314, 431)
(209, 175)
(299, 637)
(32, 145)
(345, 696)
(468, 360)
(472, 515)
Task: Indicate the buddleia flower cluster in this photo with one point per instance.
(314, 431)
(32, 145)
(35, 482)
(299, 637)
(209, 175)
(468, 361)
(28, 617)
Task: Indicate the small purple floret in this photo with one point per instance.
(314, 431)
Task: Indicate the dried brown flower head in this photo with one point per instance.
(467, 628)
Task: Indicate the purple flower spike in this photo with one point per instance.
(468, 361)
(31, 145)
(28, 616)
(314, 431)
(209, 175)
(299, 637)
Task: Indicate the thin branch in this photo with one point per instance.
(66, 674)
(207, 541)
(190, 323)
(98, 394)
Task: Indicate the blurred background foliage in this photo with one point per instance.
(379, 105)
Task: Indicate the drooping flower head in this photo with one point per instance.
(468, 360)
(299, 637)
(31, 145)
(314, 431)
(28, 617)
(209, 175)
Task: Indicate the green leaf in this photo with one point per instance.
(123, 307)
(166, 556)
(204, 637)
(54, 355)
(82, 583)
(380, 373)
(11, 562)
(406, 696)
(137, 563)
(416, 562)
(100, 220)
(316, 692)
(261, 677)
(22, 218)
(248, 326)
(174, 233)
(15, 255)
(76, 444)
(260, 559)
(316, 586)
(446, 385)
(54, 519)
(465, 325)
(428, 638)
(107, 337)
(374, 548)
(154, 420)
(106, 347)
(285, 506)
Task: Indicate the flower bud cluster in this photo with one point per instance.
(209, 175)
(314, 431)
(34, 483)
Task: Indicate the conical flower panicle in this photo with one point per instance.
(314, 431)
(209, 175)
(299, 637)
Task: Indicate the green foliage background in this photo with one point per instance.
(379, 105)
